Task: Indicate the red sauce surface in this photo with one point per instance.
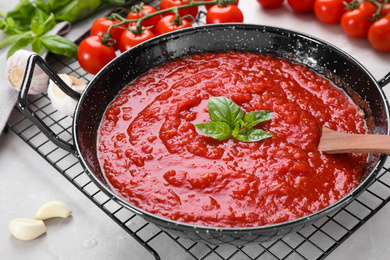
(152, 154)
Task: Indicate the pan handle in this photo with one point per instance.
(33, 60)
(384, 81)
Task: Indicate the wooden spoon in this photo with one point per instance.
(333, 142)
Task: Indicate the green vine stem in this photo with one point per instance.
(379, 4)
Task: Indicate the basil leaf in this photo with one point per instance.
(23, 12)
(253, 118)
(37, 45)
(22, 42)
(236, 131)
(42, 22)
(43, 6)
(222, 109)
(216, 130)
(55, 6)
(11, 27)
(77, 10)
(253, 135)
(228, 120)
(59, 45)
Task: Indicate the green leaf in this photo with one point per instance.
(12, 27)
(236, 131)
(21, 43)
(223, 109)
(77, 10)
(42, 22)
(228, 120)
(44, 6)
(253, 118)
(253, 135)
(59, 45)
(37, 46)
(216, 130)
(23, 12)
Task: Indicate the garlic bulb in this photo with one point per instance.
(15, 70)
(62, 102)
(53, 209)
(26, 229)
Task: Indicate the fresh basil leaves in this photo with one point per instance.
(30, 20)
(228, 120)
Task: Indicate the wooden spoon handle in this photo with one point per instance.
(335, 142)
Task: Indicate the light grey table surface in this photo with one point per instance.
(27, 181)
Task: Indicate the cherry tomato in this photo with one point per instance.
(93, 55)
(329, 11)
(101, 25)
(301, 6)
(209, 6)
(130, 39)
(227, 14)
(356, 23)
(379, 34)
(136, 13)
(165, 4)
(166, 24)
(270, 3)
(386, 9)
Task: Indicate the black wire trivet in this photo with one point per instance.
(313, 242)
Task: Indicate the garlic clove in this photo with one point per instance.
(77, 81)
(15, 70)
(59, 99)
(56, 89)
(53, 209)
(15, 76)
(26, 229)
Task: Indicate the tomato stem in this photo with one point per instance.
(379, 4)
(107, 40)
(224, 3)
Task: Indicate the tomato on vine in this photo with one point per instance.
(165, 4)
(301, 6)
(270, 3)
(93, 54)
(171, 23)
(379, 34)
(101, 26)
(224, 14)
(134, 36)
(356, 22)
(139, 11)
(209, 6)
(329, 11)
(386, 9)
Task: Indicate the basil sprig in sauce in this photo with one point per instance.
(228, 120)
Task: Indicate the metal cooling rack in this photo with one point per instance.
(313, 242)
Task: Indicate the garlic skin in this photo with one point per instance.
(26, 229)
(53, 209)
(62, 102)
(15, 70)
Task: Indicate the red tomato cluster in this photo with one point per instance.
(97, 50)
(358, 19)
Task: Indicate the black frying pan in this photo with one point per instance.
(318, 55)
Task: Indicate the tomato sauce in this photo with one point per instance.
(154, 157)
